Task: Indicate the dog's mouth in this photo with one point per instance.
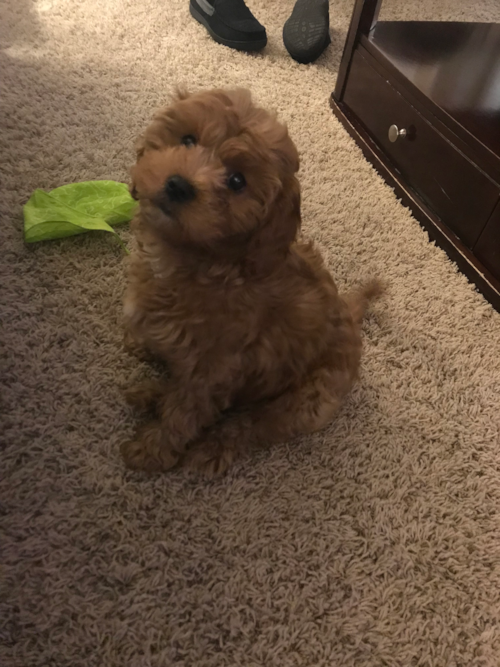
(164, 205)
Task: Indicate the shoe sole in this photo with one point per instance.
(239, 46)
(306, 14)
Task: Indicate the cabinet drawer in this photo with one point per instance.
(487, 249)
(461, 195)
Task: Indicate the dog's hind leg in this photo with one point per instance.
(298, 411)
(145, 395)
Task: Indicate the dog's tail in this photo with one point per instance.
(359, 299)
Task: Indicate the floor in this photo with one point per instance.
(375, 543)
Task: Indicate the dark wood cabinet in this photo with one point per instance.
(487, 249)
(422, 99)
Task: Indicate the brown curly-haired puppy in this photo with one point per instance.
(259, 344)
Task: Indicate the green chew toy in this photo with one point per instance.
(77, 208)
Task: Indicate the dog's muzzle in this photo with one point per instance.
(179, 190)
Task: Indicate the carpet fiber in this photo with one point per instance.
(376, 542)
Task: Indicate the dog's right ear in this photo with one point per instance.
(151, 139)
(132, 185)
(140, 146)
(133, 191)
(156, 134)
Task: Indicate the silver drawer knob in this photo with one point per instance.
(395, 133)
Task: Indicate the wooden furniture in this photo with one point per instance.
(422, 100)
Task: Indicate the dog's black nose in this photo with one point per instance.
(178, 189)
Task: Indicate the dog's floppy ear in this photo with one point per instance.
(281, 226)
(132, 185)
(287, 153)
(153, 138)
(275, 137)
(283, 220)
(140, 147)
(133, 190)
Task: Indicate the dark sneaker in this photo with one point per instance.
(306, 34)
(230, 22)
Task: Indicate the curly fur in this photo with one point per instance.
(259, 345)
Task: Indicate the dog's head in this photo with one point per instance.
(216, 172)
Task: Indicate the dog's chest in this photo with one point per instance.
(176, 312)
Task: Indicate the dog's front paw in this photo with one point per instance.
(136, 349)
(144, 395)
(146, 451)
(209, 458)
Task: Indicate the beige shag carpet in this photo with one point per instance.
(375, 543)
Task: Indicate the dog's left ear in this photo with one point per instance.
(275, 138)
(272, 241)
(288, 155)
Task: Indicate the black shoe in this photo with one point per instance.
(306, 34)
(230, 22)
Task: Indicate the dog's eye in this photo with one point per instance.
(236, 181)
(188, 140)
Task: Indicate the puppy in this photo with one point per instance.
(259, 345)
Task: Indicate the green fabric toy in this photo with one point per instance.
(77, 208)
